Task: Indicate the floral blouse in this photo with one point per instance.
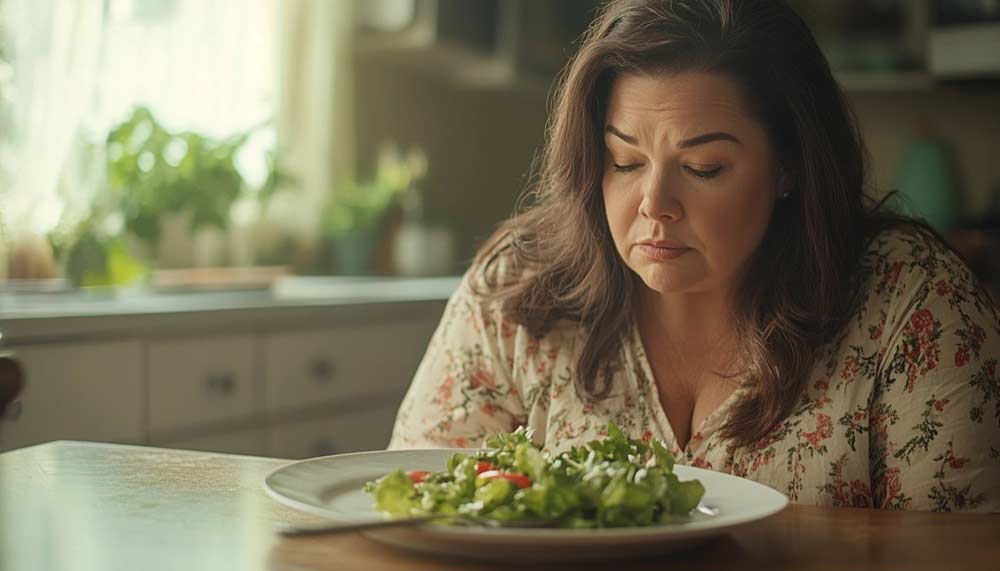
(901, 411)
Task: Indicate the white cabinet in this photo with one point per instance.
(248, 388)
(196, 380)
(78, 391)
(335, 434)
(339, 364)
(250, 442)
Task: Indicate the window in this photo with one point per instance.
(72, 72)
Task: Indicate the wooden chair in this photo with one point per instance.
(11, 382)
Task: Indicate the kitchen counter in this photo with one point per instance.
(57, 316)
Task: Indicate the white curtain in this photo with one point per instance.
(214, 66)
(55, 51)
(315, 108)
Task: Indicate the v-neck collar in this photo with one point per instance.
(646, 383)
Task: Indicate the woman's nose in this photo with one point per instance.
(659, 202)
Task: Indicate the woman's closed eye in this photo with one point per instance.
(710, 172)
(627, 168)
(700, 172)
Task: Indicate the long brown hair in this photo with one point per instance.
(792, 299)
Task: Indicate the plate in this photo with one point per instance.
(333, 487)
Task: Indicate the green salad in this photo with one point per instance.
(613, 482)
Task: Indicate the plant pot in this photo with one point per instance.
(355, 252)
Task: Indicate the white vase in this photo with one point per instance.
(423, 251)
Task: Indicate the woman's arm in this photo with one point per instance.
(935, 411)
(463, 390)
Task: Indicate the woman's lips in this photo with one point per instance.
(661, 251)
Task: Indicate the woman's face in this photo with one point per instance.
(690, 180)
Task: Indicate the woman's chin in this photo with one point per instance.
(663, 284)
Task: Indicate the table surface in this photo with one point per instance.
(86, 506)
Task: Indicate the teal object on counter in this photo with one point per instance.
(927, 181)
(355, 252)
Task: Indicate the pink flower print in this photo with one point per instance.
(961, 356)
(506, 328)
(824, 430)
(877, 332)
(943, 288)
(851, 368)
(891, 487)
(892, 276)
(922, 320)
(445, 389)
(482, 378)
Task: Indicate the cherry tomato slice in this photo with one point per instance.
(519, 480)
(484, 467)
(417, 476)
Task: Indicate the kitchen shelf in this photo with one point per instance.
(465, 67)
(485, 44)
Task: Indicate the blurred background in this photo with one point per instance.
(233, 224)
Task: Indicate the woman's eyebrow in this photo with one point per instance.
(708, 138)
(685, 144)
(627, 138)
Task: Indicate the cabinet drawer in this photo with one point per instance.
(340, 433)
(305, 368)
(251, 442)
(78, 391)
(200, 380)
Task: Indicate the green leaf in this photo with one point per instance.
(612, 482)
(494, 493)
(685, 496)
(529, 460)
(395, 494)
(664, 459)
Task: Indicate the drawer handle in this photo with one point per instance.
(221, 384)
(322, 370)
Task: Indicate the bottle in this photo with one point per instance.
(926, 179)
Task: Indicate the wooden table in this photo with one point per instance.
(82, 506)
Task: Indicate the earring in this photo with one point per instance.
(786, 194)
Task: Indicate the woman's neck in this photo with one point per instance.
(695, 323)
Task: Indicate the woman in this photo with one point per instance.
(700, 265)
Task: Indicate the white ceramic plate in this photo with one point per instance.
(332, 487)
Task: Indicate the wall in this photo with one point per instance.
(967, 117)
(480, 142)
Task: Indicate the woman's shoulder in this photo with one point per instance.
(912, 279)
(487, 289)
(909, 259)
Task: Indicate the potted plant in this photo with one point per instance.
(157, 182)
(355, 211)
